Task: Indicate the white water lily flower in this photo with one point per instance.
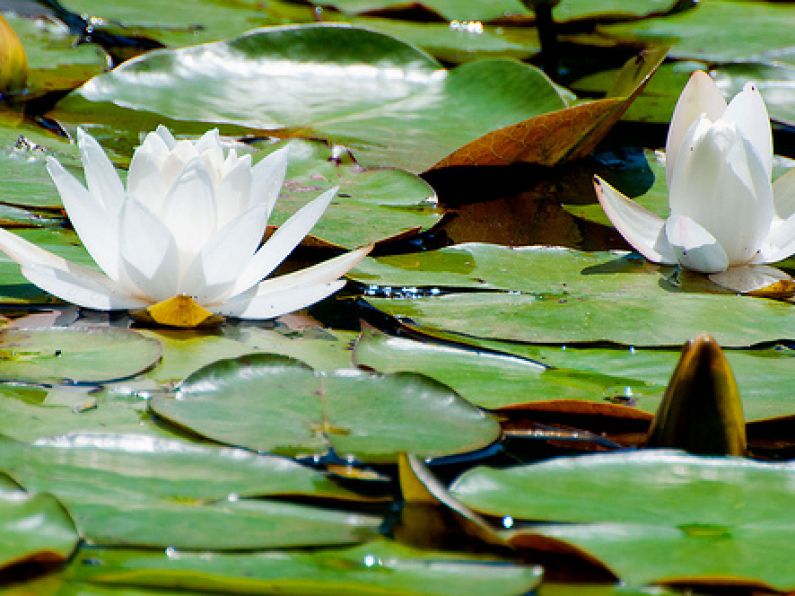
(190, 223)
(725, 215)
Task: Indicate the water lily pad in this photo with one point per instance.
(393, 201)
(403, 109)
(562, 296)
(35, 527)
(669, 516)
(273, 403)
(493, 380)
(74, 355)
(447, 9)
(117, 468)
(717, 30)
(32, 413)
(383, 567)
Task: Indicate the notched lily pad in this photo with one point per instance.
(273, 403)
(74, 355)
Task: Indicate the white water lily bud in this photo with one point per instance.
(724, 211)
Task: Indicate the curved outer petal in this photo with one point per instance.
(149, 253)
(748, 278)
(101, 177)
(96, 227)
(719, 182)
(784, 195)
(700, 97)
(780, 243)
(268, 177)
(274, 304)
(224, 256)
(283, 241)
(81, 286)
(747, 110)
(69, 281)
(695, 247)
(639, 226)
(283, 294)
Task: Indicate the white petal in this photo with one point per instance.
(268, 177)
(747, 110)
(101, 177)
(148, 252)
(144, 179)
(234, 191)
(784, 194)
(274, 304)
(189, 210)
(224, 256)
(699, 97)
(95, 227)
(748, 278)
(24, 252)
(166, 136)
(210, 140)
(780, 243)
(720, 183)
(639, 226)
(82, 286)
(283, 241)
(695, 247)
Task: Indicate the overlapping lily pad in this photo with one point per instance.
(493, 380)
(562, 296)
(34, 527)
(401, 109)
(652, 516)
(376, 567)
(73, 355)
(718, 30)
(273, 403)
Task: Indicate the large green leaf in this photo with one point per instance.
(272, 403)
(562, 296)
(118, 468)
(376, 568)
(389, 102)
(655, 515)
(32, 413)
(74, 355)
(718, 30)
(493, 380)
(34, 527)
(392, 201)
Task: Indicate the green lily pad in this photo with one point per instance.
(493, 380)
(562, 296)
(376, 567)
(30, 414)
(117, 468)
(394, 202)
(717, 30)
(447, 9)
(74, 355)
(396, 111)
(34, 527)
(272, 403)
(652, 516)
(775, 82)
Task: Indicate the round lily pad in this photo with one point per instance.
(74, 355)
(273, 403)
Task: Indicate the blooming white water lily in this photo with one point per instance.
(190, 223)
(725, 215)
